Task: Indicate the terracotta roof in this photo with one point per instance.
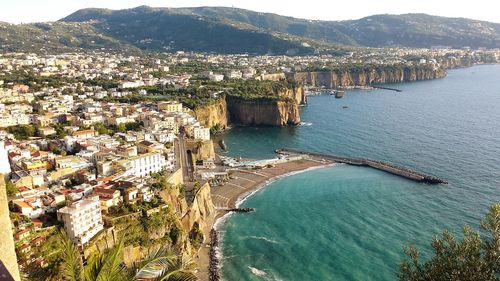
(13, 154)
(21, 232)
(146, 143)
(22, 204)
(36, 222)
(37, 240)
(83, 132)
(104, 190)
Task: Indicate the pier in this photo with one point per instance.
(387, 88)
(240, 210)
(379, 165)
(213, 267)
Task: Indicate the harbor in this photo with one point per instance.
(379, 165)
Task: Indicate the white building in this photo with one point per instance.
(170, 106)
(145, 164)
(82, 219)
(201, 133)
(216, 77)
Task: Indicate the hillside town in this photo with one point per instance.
(77, 153)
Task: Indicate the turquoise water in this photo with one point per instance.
(350, 223)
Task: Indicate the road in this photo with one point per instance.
(183, 159)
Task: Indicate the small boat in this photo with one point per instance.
(222, 144)
(339, 94)
(345, 106)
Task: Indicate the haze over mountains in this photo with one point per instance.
(233, 30)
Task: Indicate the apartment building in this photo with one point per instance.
(82, 220)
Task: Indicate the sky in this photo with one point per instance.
(25, 11)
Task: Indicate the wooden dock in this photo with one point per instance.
(379, 165)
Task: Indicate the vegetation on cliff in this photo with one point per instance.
(205, 92)
(159, 263)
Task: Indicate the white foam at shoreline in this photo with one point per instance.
(243, 197)
(220, 221)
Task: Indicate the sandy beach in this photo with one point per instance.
(242, 184)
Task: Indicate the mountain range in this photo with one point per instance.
(233, 30)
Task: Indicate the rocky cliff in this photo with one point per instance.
(282, 109)
(263, 112)
(368, 75)
(212, 114)
(190, 214)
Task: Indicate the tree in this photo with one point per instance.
(472, 258)
(164, 265)
(159, 264)
(11, 188)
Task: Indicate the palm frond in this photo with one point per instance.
(72, 263)
(109, 265)
(163, 264)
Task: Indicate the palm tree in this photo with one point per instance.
(162, 264)
(106, 266)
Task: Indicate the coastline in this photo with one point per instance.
(237, 190)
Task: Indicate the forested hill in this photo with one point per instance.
(233, 30)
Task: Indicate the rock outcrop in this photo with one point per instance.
(279, 110)
(368, 75)
(263, 112)
(214, 113)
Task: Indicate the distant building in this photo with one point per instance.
(216, 77)
(144, 164)
(201, 133)
(170, 106)
(82, 220)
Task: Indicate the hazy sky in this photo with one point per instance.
(17, 11)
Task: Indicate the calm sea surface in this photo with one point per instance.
(350, 223)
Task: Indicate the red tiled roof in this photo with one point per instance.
(104, 190)
(22, 204)
(13, 154)
(36, 222)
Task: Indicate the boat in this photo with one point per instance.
(222, 144)
(339, 94)
(345, 106)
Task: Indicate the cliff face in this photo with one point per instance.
(282, 111)
(364, 77)
(198, 212)
(212, 114)
(263, 112)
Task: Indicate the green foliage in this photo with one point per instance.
(217, 129)
(410, 30)
(23, 132)
(196, 236)
(163, 264)
(11, 188)
(159, 264)
(127, 208)
(472, 258)
(184, 32)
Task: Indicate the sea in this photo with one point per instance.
(351, 223)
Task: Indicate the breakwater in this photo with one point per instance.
(387, 88)
(240, 210)
(379, 165)
(213, 267)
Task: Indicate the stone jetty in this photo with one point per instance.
(213, 267)
(379, 165)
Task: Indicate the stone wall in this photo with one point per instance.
(7, 249)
